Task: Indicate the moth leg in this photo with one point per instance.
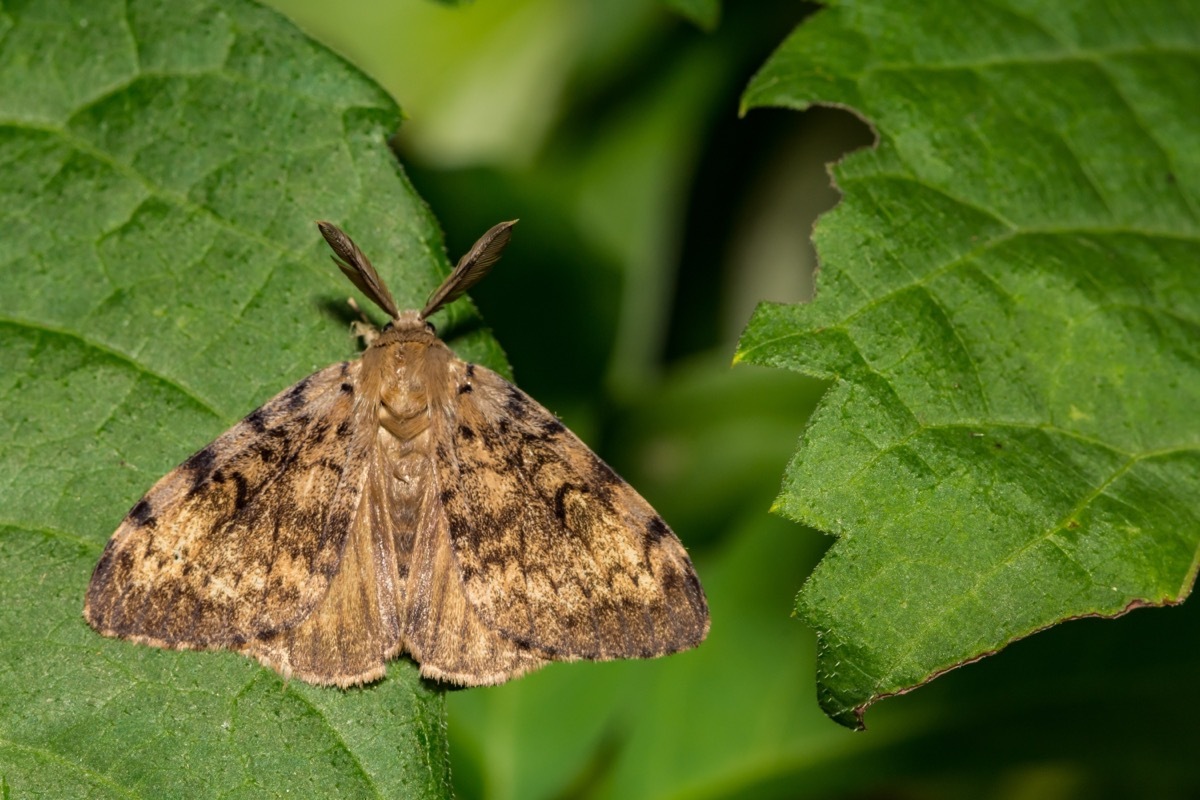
(362, 327)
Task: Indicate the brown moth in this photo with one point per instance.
(406, 502)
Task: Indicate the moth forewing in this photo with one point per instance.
(554, 548)
(472, 267)
(405, 502)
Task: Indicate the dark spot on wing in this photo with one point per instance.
(345, 428)
(257, 420)
(200, 463)
(265, 450)
(142, 514)
(470, 370)
(461, 530)
(296, 395)
(464, 389)
(657, 529)
(517, 405)
(560, 499)
(336, 467)
(669, 577)
(348, 388)
(465, 432)
(551, 428)
(200, 466)
(242, 491)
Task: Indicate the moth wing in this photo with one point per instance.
(555, 551)
(443, 631)
(243, 538)
(351, 633)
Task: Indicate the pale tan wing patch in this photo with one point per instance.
(244, 537)
(555, 551)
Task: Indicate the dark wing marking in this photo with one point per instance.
(557, 552)
(243, 538)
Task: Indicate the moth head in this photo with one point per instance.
(410, 322)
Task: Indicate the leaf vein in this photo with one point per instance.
(50, 755)
(117, 355)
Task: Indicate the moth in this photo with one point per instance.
(406, 502)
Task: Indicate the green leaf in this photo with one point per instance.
(1010, 311)
(162, 165)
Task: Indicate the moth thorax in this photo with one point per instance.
(404, 407)
(404, 388)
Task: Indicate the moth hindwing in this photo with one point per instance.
(405, 502)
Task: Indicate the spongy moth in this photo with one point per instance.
(406, 502)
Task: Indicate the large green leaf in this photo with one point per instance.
(162, 164)
(1009, 308)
